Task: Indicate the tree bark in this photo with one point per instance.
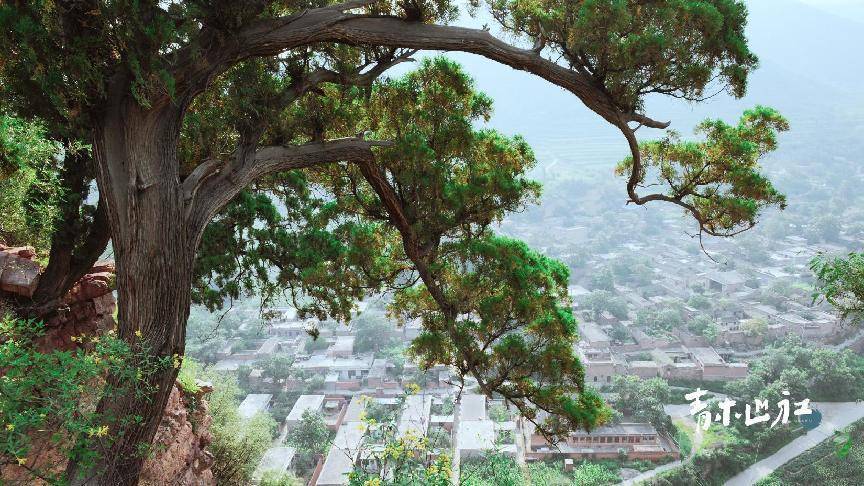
(136, 158)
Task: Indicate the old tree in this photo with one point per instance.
(255, 146)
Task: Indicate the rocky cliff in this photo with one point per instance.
(180, 456)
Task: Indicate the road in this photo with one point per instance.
(835, 416)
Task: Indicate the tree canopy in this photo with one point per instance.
(256, 147)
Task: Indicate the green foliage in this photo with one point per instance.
(493, 470)
(603, 280)
(718, 178)
(520, 326)
(754, 327)
(396, 459)
(826, 463)
(590, 473)
(238, 444)
(840, 282)
(675, 47)
(704, 326)
(499, 413)
(546, 474)
(49, 396)
(310, 436)
(684, 441)
(277, 366)
(29, 183)
(600, 301)
(271, 478)
(643, 400)
(187, 377)
(373, 334)
(820, 374)
(313, 344)
(660, 320)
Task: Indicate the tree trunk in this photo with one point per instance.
(137, 176)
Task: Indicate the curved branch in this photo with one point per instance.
(333, 24)
(636, 170)
(212, 185)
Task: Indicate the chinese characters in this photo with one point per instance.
(753, 414)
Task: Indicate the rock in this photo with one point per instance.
(20, 275)
(26, 252)
(106, 266)
(180, 457)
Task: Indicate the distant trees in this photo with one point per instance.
(754, 327)
(699, 301)
(373, 334)
(840, 282)
(313, 344)
(819, 374)
(600, 301)
(278, 366)
(619, 333)
(632, 270)
(310, 436)
(704, 326)
(603, 279)
(238, 444)
(660, 320)
(643, 400)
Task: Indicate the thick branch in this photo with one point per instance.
(211, 186)
(332, 24)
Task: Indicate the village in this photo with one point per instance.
(686, 320)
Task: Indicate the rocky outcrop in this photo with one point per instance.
(19, 274)
(180, 457)
(87, 309)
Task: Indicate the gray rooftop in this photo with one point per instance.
(254, 403)
(303, 403)
(472, 407)
(276, 459)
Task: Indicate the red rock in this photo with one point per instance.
(22, 251)
(180, 456)
(104, 266)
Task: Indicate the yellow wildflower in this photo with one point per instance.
(21, 461)
(138, 333)
(10, 427)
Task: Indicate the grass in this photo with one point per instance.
(684, 437)
(837, 461)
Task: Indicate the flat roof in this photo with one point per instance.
(472, 407)
(415, 415)
(269, 346)
(343, 344)
(277, 459)
(707, 356)
(620, 429)
(343, 453)
(591, 332)
(303, 403)
(355, 408)
(476, 435)
(727, 278)
(231, 364)
(254, 403)
(321, 361)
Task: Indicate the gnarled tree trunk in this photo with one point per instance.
(135, 152)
